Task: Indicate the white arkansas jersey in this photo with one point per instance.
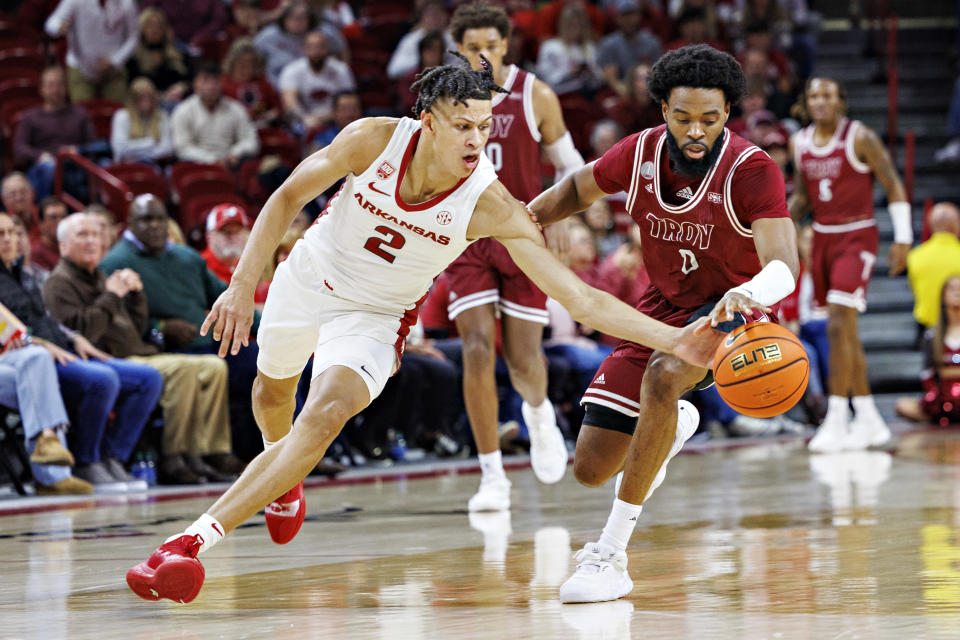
(371, 247)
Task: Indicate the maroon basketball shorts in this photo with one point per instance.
(612, 400)
(842, 260)
(485, 274)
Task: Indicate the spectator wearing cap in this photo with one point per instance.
(210, 127)
(629, 45)
(111, 312)
(228, 229)
(93, 384)
(180, 289)
(101, 37)
(308, 84)
(45, 250)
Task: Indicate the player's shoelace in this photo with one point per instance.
(588, 560)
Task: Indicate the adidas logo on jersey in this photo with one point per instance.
(599, 380)
(686, 193)
(649, 187)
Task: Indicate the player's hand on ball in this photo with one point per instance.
(698, 342)
(733, 302)
(230, 318)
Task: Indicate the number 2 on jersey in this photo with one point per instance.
(393, 239)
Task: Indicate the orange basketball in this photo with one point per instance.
(761, 369)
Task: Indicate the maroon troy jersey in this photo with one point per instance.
(514, 144)
(696, 236)
(839, 185)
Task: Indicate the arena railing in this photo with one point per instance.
(892, 80)
(104, 188)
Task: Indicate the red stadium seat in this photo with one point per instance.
(182, 170)
(11, 111)
(101, 113)
(18, 88)
(280, 143)
(141, 178)
(23, 58)
(204, 183)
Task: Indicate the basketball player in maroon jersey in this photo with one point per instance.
(484, 280)
(717, 240)
(836, 160)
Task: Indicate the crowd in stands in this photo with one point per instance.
(199, 110)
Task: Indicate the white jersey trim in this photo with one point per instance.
(728, 202)
(637, 157)
(851, 152)
(704, 184)
(528, 113)
(507, 84)
(828, 148)
(844, 228)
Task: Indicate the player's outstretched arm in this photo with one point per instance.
(504, 218)
(870, 149)
(571, 195)
(232, 313)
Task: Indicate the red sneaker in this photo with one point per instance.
(285, 515)
(172, 571)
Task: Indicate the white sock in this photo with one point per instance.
(864, 406)
(837, 408)
(542, 415)
(491, 465)
(207, 527)
(620, 524)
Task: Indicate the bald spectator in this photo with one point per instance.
(19, 200)
(307, 85)
(101, 37)
(930, 264)
(45, 250)
(209, 127)
(54, 126)
(180, 289)
(111, 312)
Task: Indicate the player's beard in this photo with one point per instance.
(684, 166)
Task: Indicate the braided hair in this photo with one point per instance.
(456, 82)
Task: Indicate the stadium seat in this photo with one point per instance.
(203, 183)
(11, 111)
(193, 212)
(101, 113)
(182, 170)
(18, 88)
(280, 143)
(141, 178)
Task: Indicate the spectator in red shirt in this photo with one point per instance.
(244, 80)
(228, 229)
(45, 249)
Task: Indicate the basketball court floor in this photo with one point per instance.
(757, 541)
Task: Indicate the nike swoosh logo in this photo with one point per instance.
(733, 337)
(373, 188)
(366, 372)
(216, 527)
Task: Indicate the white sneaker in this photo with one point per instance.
(548, 450)
(831, 436)
(601, 575)
(493, 495)
(867, 431)
(688, 419)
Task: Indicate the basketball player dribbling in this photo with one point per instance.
(836, 160)
(484, 280)
(717, 240)
(416, 193)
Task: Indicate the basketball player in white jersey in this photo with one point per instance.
(416, 193)
(485, 282)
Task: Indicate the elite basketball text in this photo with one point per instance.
(766, 353)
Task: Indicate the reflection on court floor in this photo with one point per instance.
(758, 542)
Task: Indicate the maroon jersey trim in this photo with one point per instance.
(435, 200)
(704, 184)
